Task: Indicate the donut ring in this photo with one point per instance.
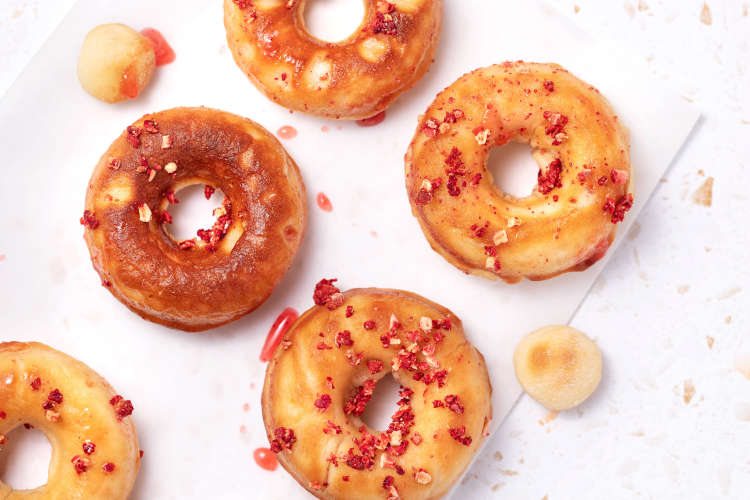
(356, 78)
(230, 269)
(95, 454)
(568, 222)
(320, 380)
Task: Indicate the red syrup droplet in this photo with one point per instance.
(277, 332)
(265, 459)
(162, 50)
(324, 203)
(372, 121)
(287, 132)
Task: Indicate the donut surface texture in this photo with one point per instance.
(229, 269)
(568, 222)
(353, 79)
(325, 371)
(95, 454)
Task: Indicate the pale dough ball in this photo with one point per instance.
(558, 366)
(116, 62)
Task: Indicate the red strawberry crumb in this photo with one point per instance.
(459, 434)
(375, 366)
(81, 464)
(550, 179)
(284, 438)
(151, 126)
(384, 23)
(186, 244)
(452, 401)
(357, 403)
(36, 383)
(344, 338)
(134, 136)
(108, 467)
(89, 220)
(556, 126)
(123, 407)
(619, 176)
(89, 447)
(55, 396)
(327, 294)
(332, 428)
(323, 402)
(388, 482)
(623, 205)
(369, 324)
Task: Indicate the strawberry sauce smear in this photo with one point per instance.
(324, 203)
(265, 459)
(277, 332)
(372, 121)
(162, 50)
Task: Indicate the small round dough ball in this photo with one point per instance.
(558, 366)
(116, 62)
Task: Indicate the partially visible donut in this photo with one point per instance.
(95, 454)
(356, 78)
(231, 268)
(568, 222)
(325, 371)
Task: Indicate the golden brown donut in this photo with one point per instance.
(95, 454)
(356, 78)
(230, 269)
(323, 375)
(568, 222)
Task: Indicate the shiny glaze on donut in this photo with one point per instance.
(561, 226)
(143, 266)
(352, 79)
(29, 374)
(297, 376)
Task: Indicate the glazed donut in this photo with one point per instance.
(568, 222)
(231, 268)
(95, 454)
(356, 78)
(321, 378)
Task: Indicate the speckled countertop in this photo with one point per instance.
(672, 417)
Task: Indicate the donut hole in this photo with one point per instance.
(193, 212)
(514, 169)
(25, 459)
(333, 20)
(381, 407)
